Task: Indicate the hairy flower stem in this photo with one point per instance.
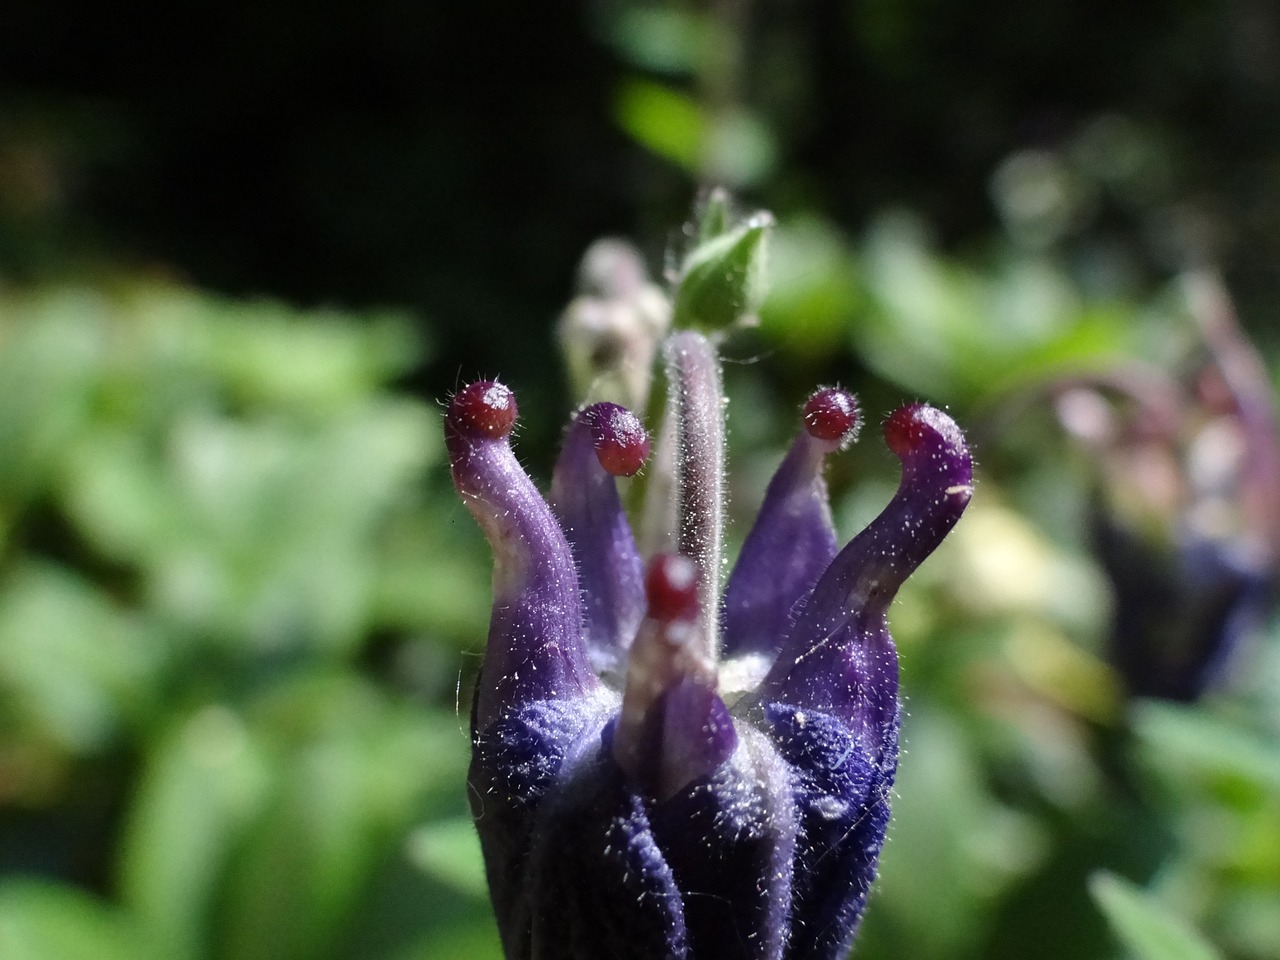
(695, 417)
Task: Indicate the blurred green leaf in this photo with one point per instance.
(450, 851)
(814, 293)
(262, 353)
(265, 529)
(474, 942)
(1147, 928)
(40, 920)
(310, 363)
(353, 772)
(665, 121)
(740, 148)
(51, 351)
(954, 333)
(435, 579)
(203, 784)
(1186, 742)
(78, 668)
(666, 40)
(949, 828)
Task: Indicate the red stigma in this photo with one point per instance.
(671, 585)
(832, 414)
(906, 430)
(483, 409)
(621, 442)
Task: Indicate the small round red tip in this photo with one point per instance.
(671, 584)
(483, 409)
(906, 429)
(621, 442)
(832, 414)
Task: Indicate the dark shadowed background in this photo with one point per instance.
(246, 248)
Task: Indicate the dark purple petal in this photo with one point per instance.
(535, 649)
(730, 840)
(841, 791)
(603, 441)
(793, 540)
(516, 762)
(599, 886)
(582, 865)
(839, 657)
(673, 727)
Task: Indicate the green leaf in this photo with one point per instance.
(1189, 742)
(449, 850)
(201, 787)
(949, 331)
(668, 41)
(667, 122)
(51, 345)
(714, 215)
(353, 773)
(740, 148)
(813, 292)
(40, 920)
(473, 941)
(966, 849)
(73, 664)
(267, 354)
(1146, 927)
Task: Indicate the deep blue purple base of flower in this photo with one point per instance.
(583, 865)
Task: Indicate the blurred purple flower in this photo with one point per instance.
(1187, 511)
(662, 769)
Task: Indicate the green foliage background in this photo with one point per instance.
(240, 605)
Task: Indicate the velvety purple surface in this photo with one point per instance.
(744, 834)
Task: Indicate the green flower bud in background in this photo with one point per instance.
(721, 281)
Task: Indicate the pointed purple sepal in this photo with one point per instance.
(839, 657)
(535, 649)
(793, 540)
(603, 442)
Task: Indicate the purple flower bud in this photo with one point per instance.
(631, 801)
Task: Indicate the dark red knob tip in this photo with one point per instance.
(906, 430)
(671, 585)
(919, 426)
(832, 414)
(483, 409)
(621, 441)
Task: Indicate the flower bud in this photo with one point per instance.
(721, 283)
